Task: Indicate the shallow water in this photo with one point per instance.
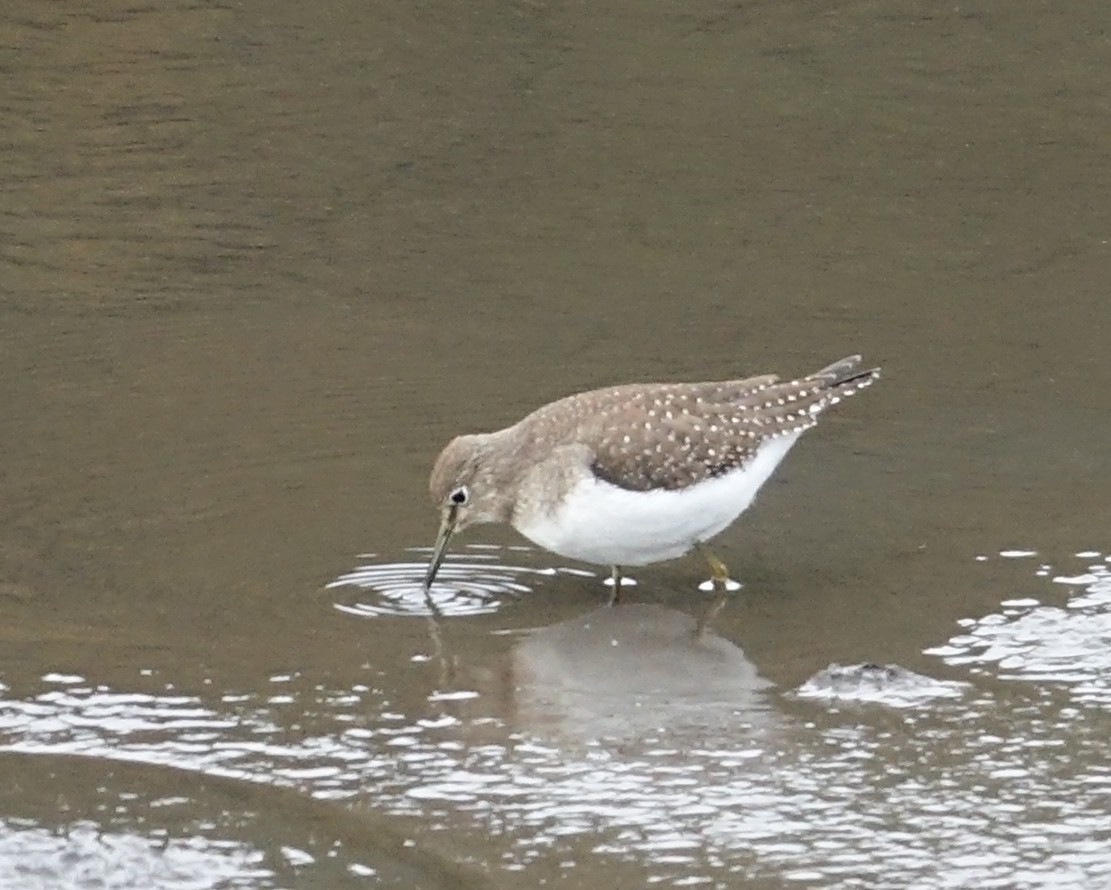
(260, 262)
(620, 732)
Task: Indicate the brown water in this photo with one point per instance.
(259, 261)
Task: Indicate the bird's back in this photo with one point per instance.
(646, 436)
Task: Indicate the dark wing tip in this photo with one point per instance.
(845, 371)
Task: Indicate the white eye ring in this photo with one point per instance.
(460, 496)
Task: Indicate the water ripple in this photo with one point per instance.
(1067, 645)
(85, 856)
(472, 581)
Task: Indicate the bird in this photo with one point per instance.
(634, 474)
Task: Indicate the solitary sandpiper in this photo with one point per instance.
(636, 474)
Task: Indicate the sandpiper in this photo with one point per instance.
(635, 474)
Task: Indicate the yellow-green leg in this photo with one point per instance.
(615, 594)
(719, 577)
(719, 571)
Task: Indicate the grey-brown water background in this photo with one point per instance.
(259, 260)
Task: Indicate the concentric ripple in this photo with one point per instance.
(474, 580)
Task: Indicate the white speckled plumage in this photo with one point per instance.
(635, 474)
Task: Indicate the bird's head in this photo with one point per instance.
(464, 487)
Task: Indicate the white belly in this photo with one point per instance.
(600, 523)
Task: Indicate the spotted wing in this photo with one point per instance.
(670, 436)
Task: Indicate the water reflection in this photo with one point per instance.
(621, 672)
(623, 733)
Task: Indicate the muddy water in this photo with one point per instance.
(258, 261)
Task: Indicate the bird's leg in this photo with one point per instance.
(615, 594)
(719, 577)
(719, 572)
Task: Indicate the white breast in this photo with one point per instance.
(604, 524)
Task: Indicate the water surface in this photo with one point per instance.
(259, 262)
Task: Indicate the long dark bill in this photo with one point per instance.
(439, 549)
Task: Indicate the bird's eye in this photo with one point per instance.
(459, 496)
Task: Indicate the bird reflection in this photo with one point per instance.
(627, 670)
